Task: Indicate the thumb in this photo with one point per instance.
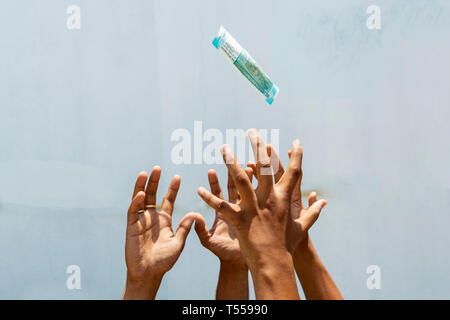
(201, 229)
(185, 226)
(313, 212)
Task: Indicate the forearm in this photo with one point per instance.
(141, 290)
(233, 281)
(274, 278)
(316, 281)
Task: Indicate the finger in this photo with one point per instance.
(201, 229)
(294, 169)
(152, 186)
(140, 183)
(252, 166)
(275, 162)
(214, 184)
(297, 192)
(136, 204)
(227, 209)
(185, 226)
(312, 198)
(240, 179)
(233, 195)
(171, 195)
(263, 166)
(249, 172)
(312, 214)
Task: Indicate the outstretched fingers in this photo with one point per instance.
(169, 199)
(185, 226)
(275, 162)
(227, 209)
(201, 229)
(152, 186)
(240, 178)
(294, 170)
(312, 213)
(233, 195)
(214, 184)
(137, 203)
(140, 183)
(312, 198)
(297, 192)
(263, 165)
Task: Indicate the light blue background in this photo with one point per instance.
(82, 112)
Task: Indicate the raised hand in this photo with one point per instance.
(221, 239)
(302, 218)
(261, 219)
(316, 281)
(151, 247)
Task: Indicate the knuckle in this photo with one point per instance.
(296, 171)
(222, 205)
(264, 163)
(240, 179)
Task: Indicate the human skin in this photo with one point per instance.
(221, 240)
(151, 247)
(315, 279)
(261, 219)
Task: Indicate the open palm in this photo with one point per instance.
(151, 247)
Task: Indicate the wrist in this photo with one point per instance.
(274, 277)
(306, 258)
(233, 265)
(304, 253)
(305, 247)
(233, 281)
(267, 258)
(142, 289)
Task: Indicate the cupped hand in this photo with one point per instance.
(221, 239)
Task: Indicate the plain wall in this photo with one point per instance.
(82, 112)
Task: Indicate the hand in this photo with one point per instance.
(316, 281)
(302, 218)
(151, 248)
(261, 219)
(221, 239)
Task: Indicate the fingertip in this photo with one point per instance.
(140, 195)
(224, 148)
(212, 175)
(296, 143)
(142, 177)
(252, 132)
(201, 191)
(176, 180)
